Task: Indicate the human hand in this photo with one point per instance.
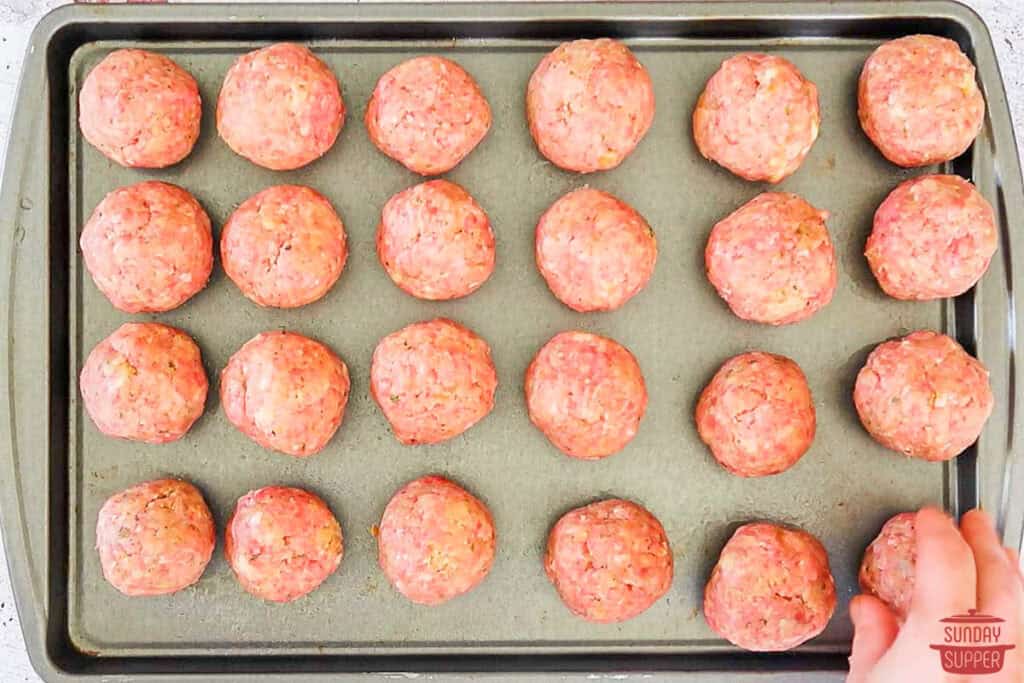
(956, 570)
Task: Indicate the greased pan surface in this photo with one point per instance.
(678, 328)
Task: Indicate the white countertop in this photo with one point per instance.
(1005, 19)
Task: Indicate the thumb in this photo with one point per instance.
(874, 630)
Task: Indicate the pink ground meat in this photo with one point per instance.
(887, 570)
(282, 543)
(284, 247)
(280, 107)
(772, 259)
(433, 380)
(594, 250)
(145, 382)
(435, 241)
(588, 104)
(427, 114)
(148, 247)
(140, 109)
(436, 541)
(586, 394)
(757, 415)
(155, 538)
(286, 392)
(923, 396)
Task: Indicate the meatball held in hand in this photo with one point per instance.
(887, 570)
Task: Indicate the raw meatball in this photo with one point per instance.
(918, 100)
(148, 247)
(758, 117)
(756, 415)
(435, 241)
(427, 114)
(145, 382)
(594, 250)
(435, 541)
(923, 396)
(284, 247)
(934, 237)
(609, 560)
(286, 392)
(140, 109)
(280, 107)
(282, 543)
(433, 380)
(586, 393)
(772, 259)
(155, 538)
(589, 103)
(887, 570)
(771, 589)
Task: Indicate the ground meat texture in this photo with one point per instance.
(155, 538)
(923, 396)
(280, 107)
(145, 382)
(284, 247)
(586, 394)
(771, 589)
(588, 104)
(148, 247)
(427, 114)
(609, 560)
(772, 259)
(594, 250)
(286, 392)
(433, 380)
(934, 237)
(757, 415)
(435, 241)
(758, 117)
(435, 541)
(140, 109)
(282, 543)
(918, 100)
(887, 570)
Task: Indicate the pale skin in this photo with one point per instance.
(957, 569)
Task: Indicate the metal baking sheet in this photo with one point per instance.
(678, 328)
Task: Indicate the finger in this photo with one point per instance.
(998, 585)
(1014, 558)
(944, 582)
(874, 630)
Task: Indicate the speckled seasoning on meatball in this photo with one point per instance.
(887, 570)
(757, 117)
(145, 382)
(588, 104)
(427, 114)
(155, 538)
(284, 247)
(280, 107)
(148, 247)
(756, 415)
(933, 238)
(594, 250)
(286, 392)
(586, 394)
(282, 543)
(772, 259)
(140, 109)
(436, 541)
(609, 561)
(771, 589)
(433, 380)
(923, 396)
(435, 242)
(918, 100)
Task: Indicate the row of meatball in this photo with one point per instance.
(588, 104)
(921, 395)
(609, 561)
